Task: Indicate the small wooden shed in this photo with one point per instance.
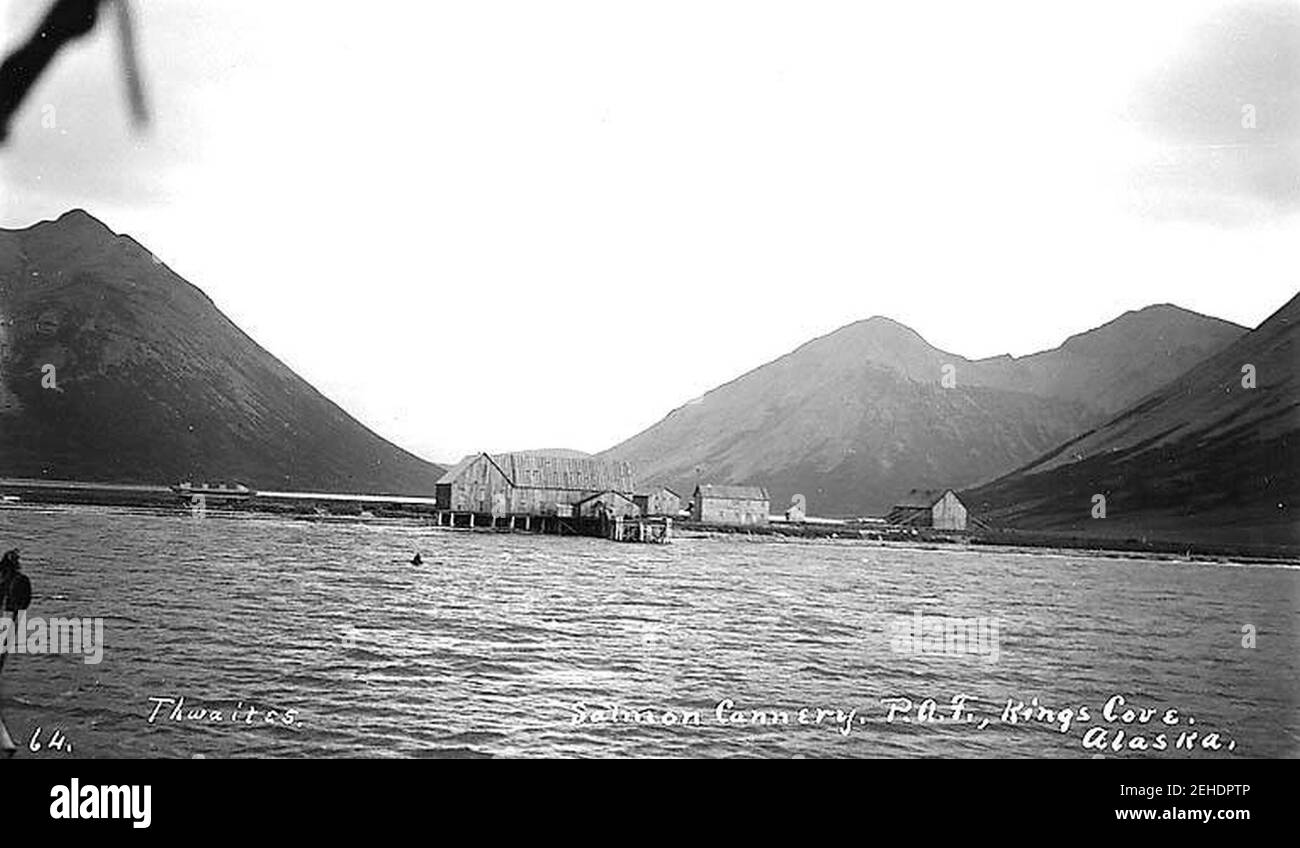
(662, 501)
(614, 505)
(937, 509)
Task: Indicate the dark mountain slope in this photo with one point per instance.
(1201, 458)
(154, 384)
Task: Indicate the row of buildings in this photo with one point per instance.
(545, 485)
(541, 484)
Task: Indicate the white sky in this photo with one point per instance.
(508, 225)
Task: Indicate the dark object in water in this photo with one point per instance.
(417, 560)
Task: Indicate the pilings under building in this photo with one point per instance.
(618, 528)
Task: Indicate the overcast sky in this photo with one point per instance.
(506, 225)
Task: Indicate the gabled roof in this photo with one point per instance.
(608, 493)
(654, 490)
(908, 515)
(456, 470)
(732, 493)
(922, 498)
(541, 471)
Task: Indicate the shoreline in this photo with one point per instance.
(163, 503)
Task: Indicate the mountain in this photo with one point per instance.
(1115, 364)
(152, 384)
(1202, 458)
(856, 419)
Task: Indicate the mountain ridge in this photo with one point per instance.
(803, 421)
(1203, 457)
(155, 383)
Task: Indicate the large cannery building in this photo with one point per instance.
(531, 484)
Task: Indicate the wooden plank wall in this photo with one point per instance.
(728, 511)
(949, 513)
(663, 502)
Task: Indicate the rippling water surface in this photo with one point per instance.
(489, 646)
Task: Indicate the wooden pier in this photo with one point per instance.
(616, 529)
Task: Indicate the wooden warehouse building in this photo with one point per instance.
(533, 484)
(938, 509)
(714, 504)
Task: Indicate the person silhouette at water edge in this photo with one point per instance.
(15, 591)
(15, 596)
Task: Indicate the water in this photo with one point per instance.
(486, 649)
